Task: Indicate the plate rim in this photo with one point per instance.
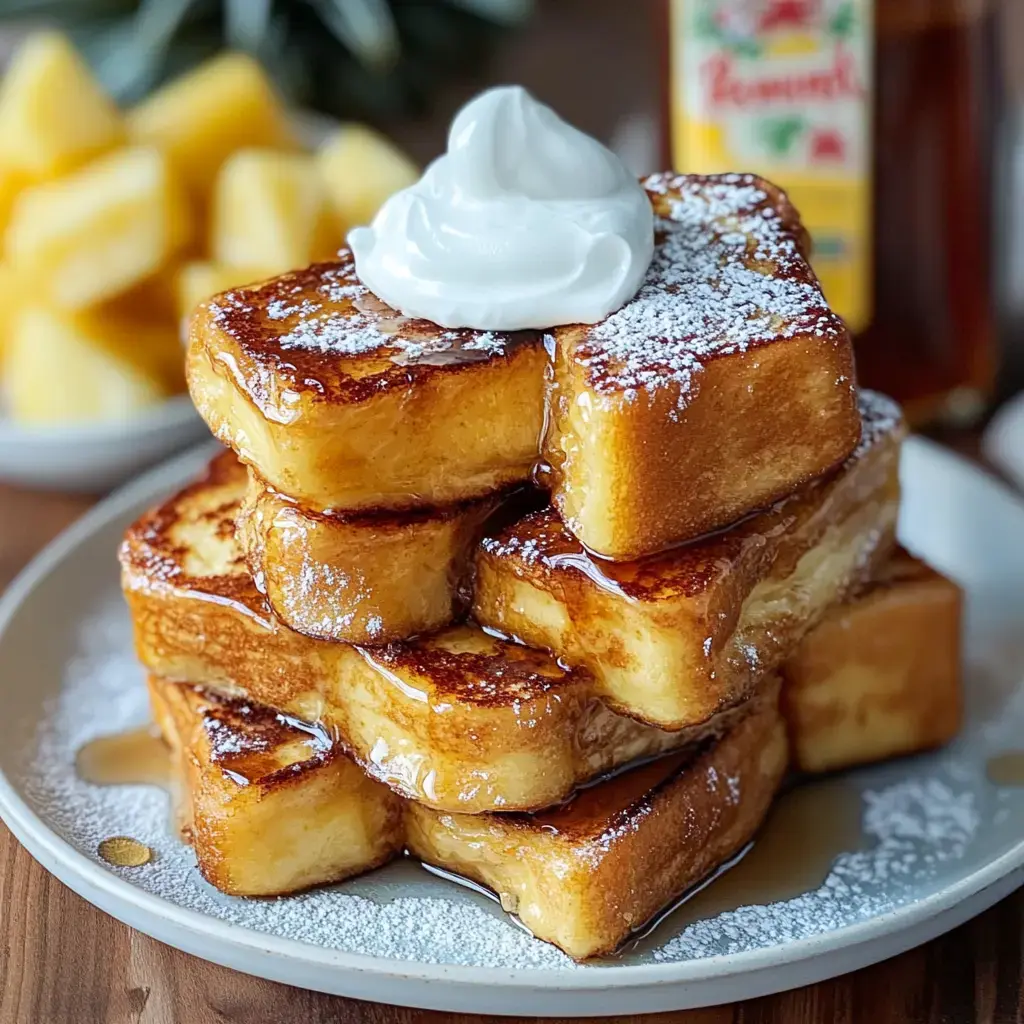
(68, 864)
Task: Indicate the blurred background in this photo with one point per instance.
(155, 152)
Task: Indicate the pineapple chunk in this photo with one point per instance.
(200, 119)
(97, 232)
(270, 210)
(53, 114)
(12, 182)
(72, 368)
(11, 299)
(198, 281)
(361, 168)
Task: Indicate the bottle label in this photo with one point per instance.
(783, 88)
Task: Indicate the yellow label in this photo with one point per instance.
(783, 88)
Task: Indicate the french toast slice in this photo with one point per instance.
(587, 875)
(459, 719)
(723, 386)
(271, 804)
(727, 358)
(583, 876)
(362, 577)
(880, 675)
(673, 639)
(341, 403)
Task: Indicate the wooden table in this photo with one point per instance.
(64, 962)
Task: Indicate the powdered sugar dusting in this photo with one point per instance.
(922, 820)
(104, 693)
(727, 275)
(530, 550)
(917, 824)
(326, 309)
(338, 334)
(880, 417)
(280, 309)
(325, 599)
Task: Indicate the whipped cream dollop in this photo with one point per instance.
(524, 222)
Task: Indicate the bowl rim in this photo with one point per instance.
(172, 412)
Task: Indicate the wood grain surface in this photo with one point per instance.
(64, 962)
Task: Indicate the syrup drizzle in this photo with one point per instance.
(1006, 769)
(808, 828)
(138, 757)
(133, 758)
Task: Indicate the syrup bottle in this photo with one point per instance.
(878, 117)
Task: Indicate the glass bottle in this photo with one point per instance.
(878, 117)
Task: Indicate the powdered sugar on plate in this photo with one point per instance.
(921, 818)
(103, 693)
(917, 826)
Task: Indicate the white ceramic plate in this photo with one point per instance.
(939, 842)
(93, 457)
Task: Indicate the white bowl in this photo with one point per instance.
(93, 457)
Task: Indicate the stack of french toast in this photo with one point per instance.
(554, 611)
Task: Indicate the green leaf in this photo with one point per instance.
(704, 24)
(137, 48)
(66, 10)
(844, 22)
(779, 133)
(246, 23)
(365, 59)
(747, 48)
(505, 12)
(366, 27)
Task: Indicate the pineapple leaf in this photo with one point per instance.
(366, 27)
(66, 10)
(246, 23)
(504, 12)
(129, 68)
(368, 59)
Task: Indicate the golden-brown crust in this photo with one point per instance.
(583, 876)
(271, 809)
(328, 299)
(367, 577)
(772, 241)
(304, 375)
(725, 384)
(459, 719)
(880, 676)
(684, 634)
(588, 875)
(157, 551)
(498, 675)
(547, 546)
